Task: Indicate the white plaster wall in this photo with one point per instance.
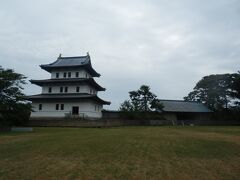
(71, 89)
(48, 109)
(82, 73)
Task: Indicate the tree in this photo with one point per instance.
(13, 106)
(216, 91)
(142, 100)
(126, 106)
(235, 85)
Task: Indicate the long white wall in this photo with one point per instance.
(71, 89)
(81, 74)
(89, 109)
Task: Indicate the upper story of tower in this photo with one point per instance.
(70, 75)
(71, 67)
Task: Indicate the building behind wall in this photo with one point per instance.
(189, 112)
(174, 112)
(71, 91)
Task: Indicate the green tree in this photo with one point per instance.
(235, 85)
(13, 107)
(216, 91)
(142, 100)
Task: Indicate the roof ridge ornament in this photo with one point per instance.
(88, 57)
(60, 56)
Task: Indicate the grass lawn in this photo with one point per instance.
(122, 153)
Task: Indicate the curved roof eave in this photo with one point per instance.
(91, 81)
(66, 97)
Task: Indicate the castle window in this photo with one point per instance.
(77, 74)
(40, 107)
(57, 106)
(66, 89)
(64, 74)
(57, 75)
(86, 75)
(69, 74)
(49, 90)
(77, 89)
(61, 89)
(62, 106)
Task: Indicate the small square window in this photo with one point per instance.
(57, 75)
(65, 74)
(66, 89)
(57, 106)
(77, 74)
(49, 90)
(69, 74)
(62, 106)
(40, 107)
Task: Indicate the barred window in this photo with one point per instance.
(66, 89)
(40, 107)
(49, 90)
(62, 106)
(77, 74)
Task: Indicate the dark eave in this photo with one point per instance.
(66, 97)
(71, 63)
(62, 81)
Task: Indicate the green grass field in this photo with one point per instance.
(122, 153)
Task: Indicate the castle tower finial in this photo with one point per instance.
(60, 55)
(87, 53)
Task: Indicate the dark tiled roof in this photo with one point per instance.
(71, 62)
(69, 96)
(183, 106)
(60, 81)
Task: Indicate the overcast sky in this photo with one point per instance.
(166, 44)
